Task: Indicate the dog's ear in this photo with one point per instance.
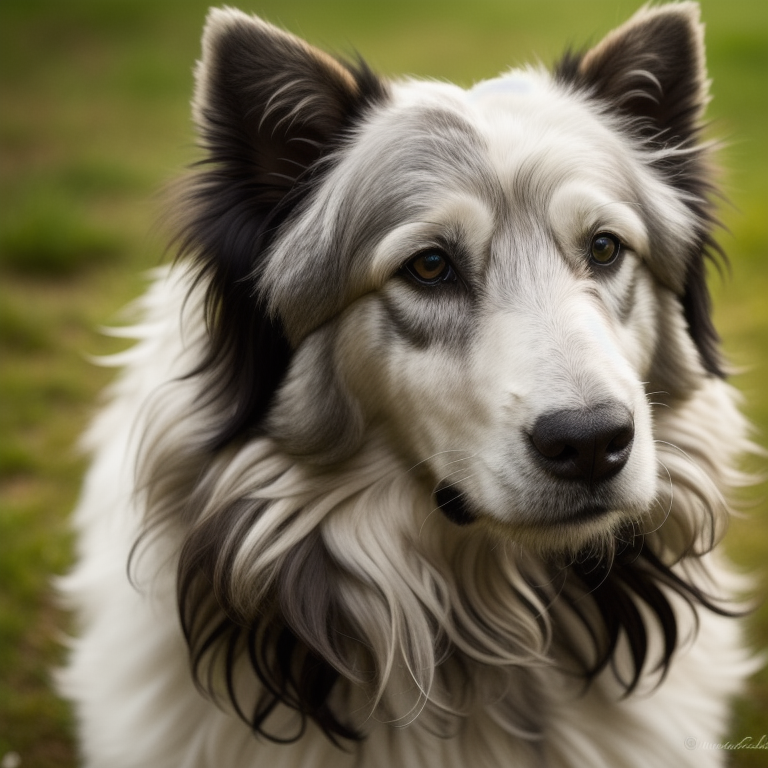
(268, 108)
(268, 105)
(652, 69)
(651, 72)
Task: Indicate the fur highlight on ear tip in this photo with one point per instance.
(688, 10)
(219, 22)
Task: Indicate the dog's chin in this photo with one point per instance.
(590, 525)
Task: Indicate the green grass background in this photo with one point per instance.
(94, 119)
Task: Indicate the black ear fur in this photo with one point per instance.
(268, 108)
(651, 70)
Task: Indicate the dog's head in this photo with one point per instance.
(492, 286)
(499, 279)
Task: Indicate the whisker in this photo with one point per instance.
(671, 498)
(439, 453)
(678, 449)
(456, 482)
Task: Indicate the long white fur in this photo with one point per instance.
(543, 341)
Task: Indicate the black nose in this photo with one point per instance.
(591, 444)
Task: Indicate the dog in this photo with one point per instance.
(425, 446)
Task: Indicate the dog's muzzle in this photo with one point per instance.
(580, 450)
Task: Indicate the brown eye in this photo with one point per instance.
(430, 267)
(604, 248)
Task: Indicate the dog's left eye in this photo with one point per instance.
(604, 248)
(430, 267)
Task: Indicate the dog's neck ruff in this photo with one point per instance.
(277, 532)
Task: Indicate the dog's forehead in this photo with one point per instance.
(540, 136)
(513, 141)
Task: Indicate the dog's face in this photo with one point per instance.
(423, 298)
(499, 312)
(496, 279)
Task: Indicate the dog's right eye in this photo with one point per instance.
(430, 268)
(604, 249)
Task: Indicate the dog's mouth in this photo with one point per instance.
(453, 504)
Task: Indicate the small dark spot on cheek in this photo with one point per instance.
(452, 504)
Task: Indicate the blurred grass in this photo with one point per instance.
(94, 119)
